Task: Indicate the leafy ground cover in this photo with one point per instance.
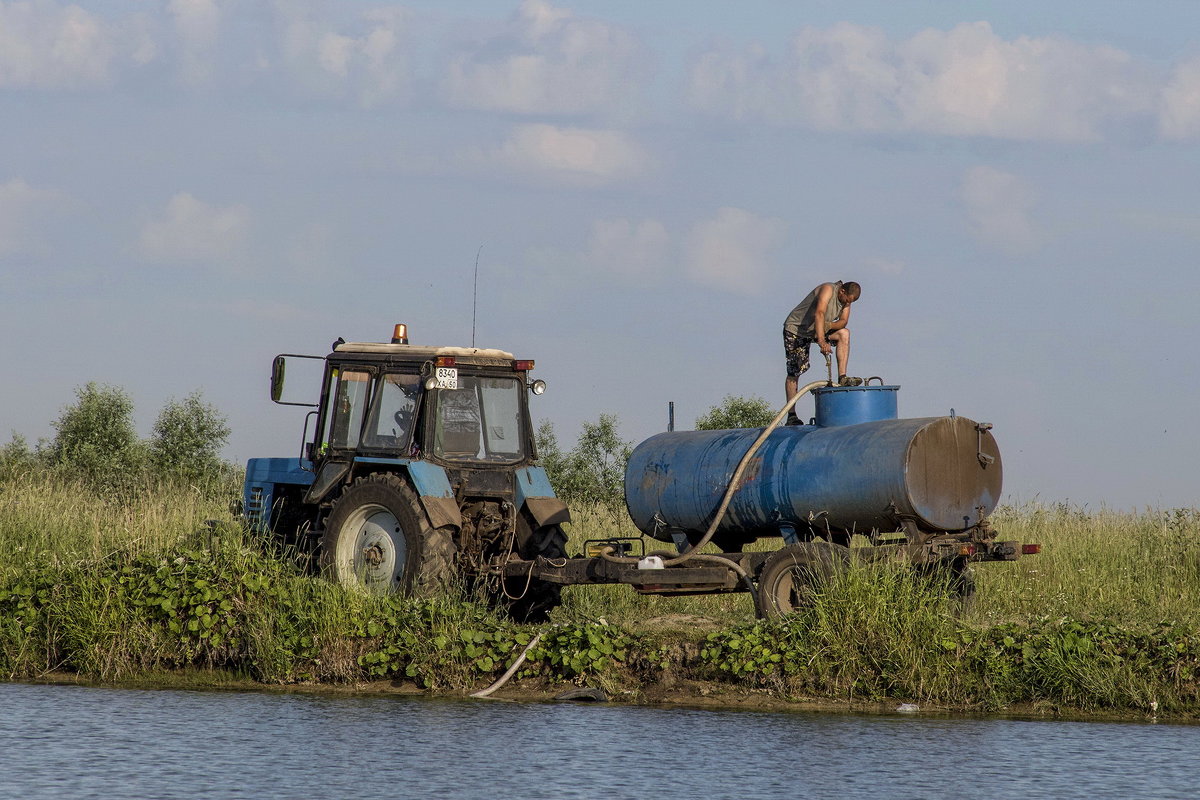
(111, 588)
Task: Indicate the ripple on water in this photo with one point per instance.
(80, 742)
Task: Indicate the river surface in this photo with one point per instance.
(77, 742)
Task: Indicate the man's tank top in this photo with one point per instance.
(802, 320)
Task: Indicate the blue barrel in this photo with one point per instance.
(942, 473)
(850, 405)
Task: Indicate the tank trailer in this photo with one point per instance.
(418, 472)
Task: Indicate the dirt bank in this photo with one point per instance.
(705, 695)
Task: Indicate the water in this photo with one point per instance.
(76, 742)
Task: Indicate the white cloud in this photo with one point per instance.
(192, 230)
(546, 61)
(574, 155)
(1179, 113)
(732, 250)
(999, 209)
(369, 62)
(197, 23)
(21, 206)
(630, 249)
(966, 81)
(45, 45)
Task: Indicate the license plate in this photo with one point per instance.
(447, 377)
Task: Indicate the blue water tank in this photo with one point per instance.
(841, 475)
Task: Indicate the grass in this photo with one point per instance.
(1137, 568)
(1134, 568)
(49, 520)
(1107, 616)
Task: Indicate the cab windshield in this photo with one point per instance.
(481, 420)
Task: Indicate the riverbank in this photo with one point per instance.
(873, 638)
(692, 695)
(1103, 622)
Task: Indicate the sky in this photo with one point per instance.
(188, 188)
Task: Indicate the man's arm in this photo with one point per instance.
(841, 321)
(823, 298)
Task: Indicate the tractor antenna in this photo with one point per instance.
(475, 294)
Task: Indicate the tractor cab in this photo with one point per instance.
(450, 405)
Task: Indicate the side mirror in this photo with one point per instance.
(278, 367)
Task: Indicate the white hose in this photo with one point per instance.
(511, 670)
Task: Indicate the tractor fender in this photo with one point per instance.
(437, 498)
(429, 480)
(547, 511)
(535, 495)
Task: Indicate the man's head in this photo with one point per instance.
(849, 292)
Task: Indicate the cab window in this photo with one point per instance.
(481, 420)
(347, 406)
(390, 424)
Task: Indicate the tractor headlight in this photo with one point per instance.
(538, 386)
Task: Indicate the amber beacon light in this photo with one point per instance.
(400, 334)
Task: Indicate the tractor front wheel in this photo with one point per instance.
(377, 538)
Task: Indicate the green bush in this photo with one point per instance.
(737, 412)
(593, 472)
(187, 441)
(96, 440)
(16, 458)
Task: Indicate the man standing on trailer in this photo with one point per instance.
(821, 317)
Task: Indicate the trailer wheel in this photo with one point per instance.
(962, 583)
(377, 537)
(531, 600)
(789, 576)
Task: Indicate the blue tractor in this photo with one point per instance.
(417, 473)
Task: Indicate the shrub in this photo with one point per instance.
(736, 412)
(187, 441)
(96, 440)
(594, 470)
(16, 458)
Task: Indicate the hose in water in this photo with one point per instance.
(511, 670)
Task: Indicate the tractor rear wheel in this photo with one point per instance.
(790, 576)
(532, 599)
(378, 538)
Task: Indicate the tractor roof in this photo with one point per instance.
(418, 351)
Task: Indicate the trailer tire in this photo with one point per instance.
(791, 575)
(531, 600)
(962, 584)
(378, 538)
